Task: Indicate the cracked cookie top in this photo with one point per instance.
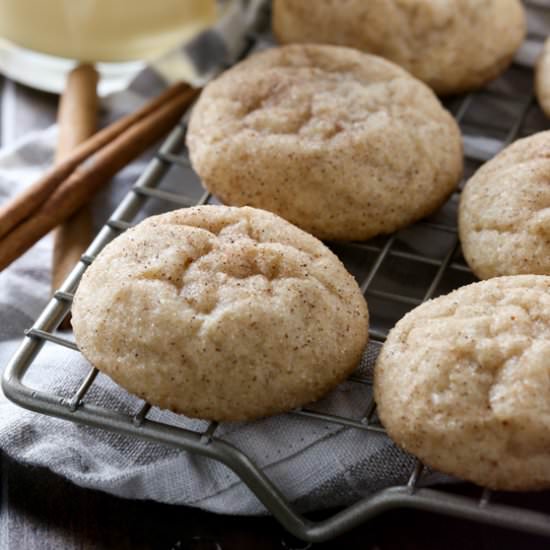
(329, 138)
(220, 313)
(504, 214)
(452, 45)
(462, 382)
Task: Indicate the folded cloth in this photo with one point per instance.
(315, 464)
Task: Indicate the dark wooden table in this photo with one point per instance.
(42, 511)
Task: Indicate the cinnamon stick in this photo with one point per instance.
(76, 121)
(29, 200)
(81, 185)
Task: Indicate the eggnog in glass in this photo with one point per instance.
(41, 39)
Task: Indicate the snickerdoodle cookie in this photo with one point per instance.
(452, 45)
(220, 313)
(504, 214)
(542, 78)
(343, 144)
(463, 382)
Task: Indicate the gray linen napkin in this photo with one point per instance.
(315, 464)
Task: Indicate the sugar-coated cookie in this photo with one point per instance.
(463, 381)
(504, 213)
(220, 313)
(343, 144)
(452, 45)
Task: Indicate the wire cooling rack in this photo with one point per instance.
(395, 273)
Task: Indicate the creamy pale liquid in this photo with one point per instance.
(103, 30)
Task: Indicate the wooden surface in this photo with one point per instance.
(42, 511)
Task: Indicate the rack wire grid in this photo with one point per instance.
(396, 273)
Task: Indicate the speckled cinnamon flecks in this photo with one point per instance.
(504, 214)
(220, 313)
(343, 144)
(452, 45)
(463, 382)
